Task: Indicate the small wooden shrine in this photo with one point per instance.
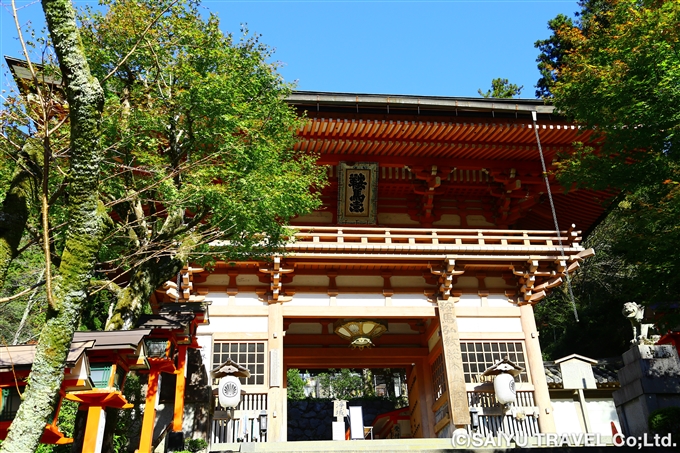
(96, 367)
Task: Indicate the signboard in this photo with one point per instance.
(357, 193)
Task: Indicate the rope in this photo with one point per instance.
(554, 214)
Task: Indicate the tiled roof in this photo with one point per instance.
(604, 372)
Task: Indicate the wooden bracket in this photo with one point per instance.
(276, 273)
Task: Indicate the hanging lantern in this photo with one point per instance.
(504, 372)
(504, 387)
(359, 332)
(229, 392)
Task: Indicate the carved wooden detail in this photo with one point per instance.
(276, 273)
(185, 291)
(447, 274)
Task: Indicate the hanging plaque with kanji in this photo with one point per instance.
(357, 193)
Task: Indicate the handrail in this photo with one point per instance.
(375, 236)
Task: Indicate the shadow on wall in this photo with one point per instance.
(312, 419)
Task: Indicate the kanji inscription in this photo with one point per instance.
(357, 182)
(460, 412)
(357, 193)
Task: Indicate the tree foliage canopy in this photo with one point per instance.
(615, 70)
(145, 136)
(501, 89)
(198, 146)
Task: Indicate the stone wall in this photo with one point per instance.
(312, 418)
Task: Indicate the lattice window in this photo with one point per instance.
(248, 354)
(478, 356)
(100, 373)
(438, 376)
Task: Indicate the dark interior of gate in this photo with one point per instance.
(386, 375)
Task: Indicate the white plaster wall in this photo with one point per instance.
(467, 282)
(496, 282)
(218, 298)
(396, 219)
(249, 280)
(249, 299)
(498, 300)
(230, 324)
(411, 300)
(489, 325)
(309, 300)
(216, 279)
(566, 416)
(408, 281)
(205, 342)
(448, 220)
(360, 280)
(310, 280)
(477, 220)
(469, 300)
(601, 413)
(360, 300)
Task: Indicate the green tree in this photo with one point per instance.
(82, 235)
(619, 75)
(601, 286)
(296, 385)
(196, 121)
(341, 384)
(171, 136)
(501, 89)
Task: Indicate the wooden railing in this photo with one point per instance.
(521, 419)
(405, 240)
(245, 424)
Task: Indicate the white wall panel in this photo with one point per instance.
(469, 300)
(229, 324)
(309, 300)
(218, 297)
(249, 299)
(566, 416)
(489, 324)
(360, 300)
(498, 300)
(601, 413)
(411, 300)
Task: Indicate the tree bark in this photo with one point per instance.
(144, 281)
(86, 101)
(22, 192)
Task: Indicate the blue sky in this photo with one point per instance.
(439, 48)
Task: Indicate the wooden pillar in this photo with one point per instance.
(453, 365)
(277, 403)
(426, 398)
(146, 437)
(94, 429)
(178, 416)
(546, 420)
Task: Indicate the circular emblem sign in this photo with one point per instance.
(230, 389)
(230, 392)
(512, 386)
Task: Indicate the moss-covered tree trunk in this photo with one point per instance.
(145, 279)
(85, 98)
(16, 205)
